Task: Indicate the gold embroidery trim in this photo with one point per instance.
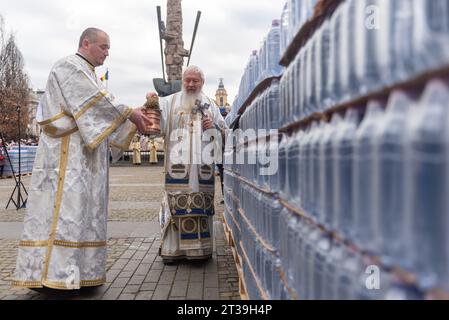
(111, 129)
(26, 284)
(91, 104)
(129, 138)
(56, 285)
(55, 118)
(33, 244)
(61, 243)
(83, 283)
(65, 143)
(51, 132)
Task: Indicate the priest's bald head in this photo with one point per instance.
(94, 45)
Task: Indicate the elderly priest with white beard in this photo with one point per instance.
(193, 127)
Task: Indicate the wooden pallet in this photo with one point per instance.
(12, 177)
(237, 259)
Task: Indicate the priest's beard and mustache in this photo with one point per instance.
(188, 99)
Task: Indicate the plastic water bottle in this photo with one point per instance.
(322, 67)
(311, 75)
(372, 44)
(333, 261)
(285, 28)
(323, 247)
(291, 232)
(293, 169)
(367, 235)
(389, 168)
(309, 172)
(322, 177)
(303, 169)
(327, 176)
(300, 85)
(273, 67)
(347, 275)
(347, 53)
(283, 187)
(295, 277)
(334, 86)
(296, 88)
(402, 17)
(343, 150)
(427, 186)
(273, 179)
(273, 102)
(431, 30)
(310, 235)
(316, 158)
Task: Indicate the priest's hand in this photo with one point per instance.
(208, 124)
(139, 119)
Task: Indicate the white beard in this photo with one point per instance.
(188, 100)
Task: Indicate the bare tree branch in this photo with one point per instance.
(14, 85)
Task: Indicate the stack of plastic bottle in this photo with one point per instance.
(262, 64)
(358, 204)
(28, 154)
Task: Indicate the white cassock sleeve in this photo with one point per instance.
(94, 110)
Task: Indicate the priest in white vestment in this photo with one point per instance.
(63, 244)
(189, 119)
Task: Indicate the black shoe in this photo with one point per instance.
(169, 262)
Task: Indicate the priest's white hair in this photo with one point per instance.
(196, 70)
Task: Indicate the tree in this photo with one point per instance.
(14, 86)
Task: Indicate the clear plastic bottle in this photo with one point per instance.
(372, 45)
(274, 223)
(284, 220)
(316, 158)
(274, 179)
(303, 171)
(389, 168)
(273, 68)
(311, 75)
(295, 278)
(427, 186)
(333, 260)
(327, 176)
(343, 150)
(309, 172)
(367, 235)
(296, 86)
(333, 84)
(285, 28)
(323, 248)
(292, 229)
(300, 85)
(273, 102)
(283, 187)
(293, 169)
(431, 30)
(322, 177)
(347, 53)
(322, 67)
(284, 106)
(306, 258)
(347, 275)
(402, 17)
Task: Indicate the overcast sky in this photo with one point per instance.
(47, 30)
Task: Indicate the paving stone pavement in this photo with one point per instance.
(134, 269)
